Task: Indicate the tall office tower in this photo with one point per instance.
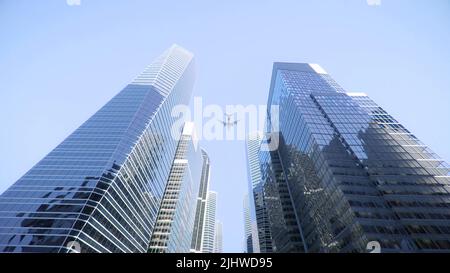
(218, 240)
(101, 188)
(355, 176)
(209, 230)
(175, 222)
(248, 236)
(260, 226)
(200, 212)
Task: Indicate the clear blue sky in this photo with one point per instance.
(61, 63)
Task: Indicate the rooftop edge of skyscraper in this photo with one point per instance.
(302, 67)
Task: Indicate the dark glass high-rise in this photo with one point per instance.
(344, 175)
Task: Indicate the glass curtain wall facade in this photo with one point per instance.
(200, 212)
(281, 218)
(218, 240)
(209, 230)
(261, 235)
(175, 222)
(248, 236)
(354, 174)
(102, 186)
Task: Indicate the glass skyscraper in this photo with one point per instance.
(261, 238)
(101, 188)
(209, 230)
(175, 222)
(347, 173)
(200, 212)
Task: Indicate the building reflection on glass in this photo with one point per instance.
(102, 186)
(345, 173)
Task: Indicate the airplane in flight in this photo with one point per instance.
(229, 123)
